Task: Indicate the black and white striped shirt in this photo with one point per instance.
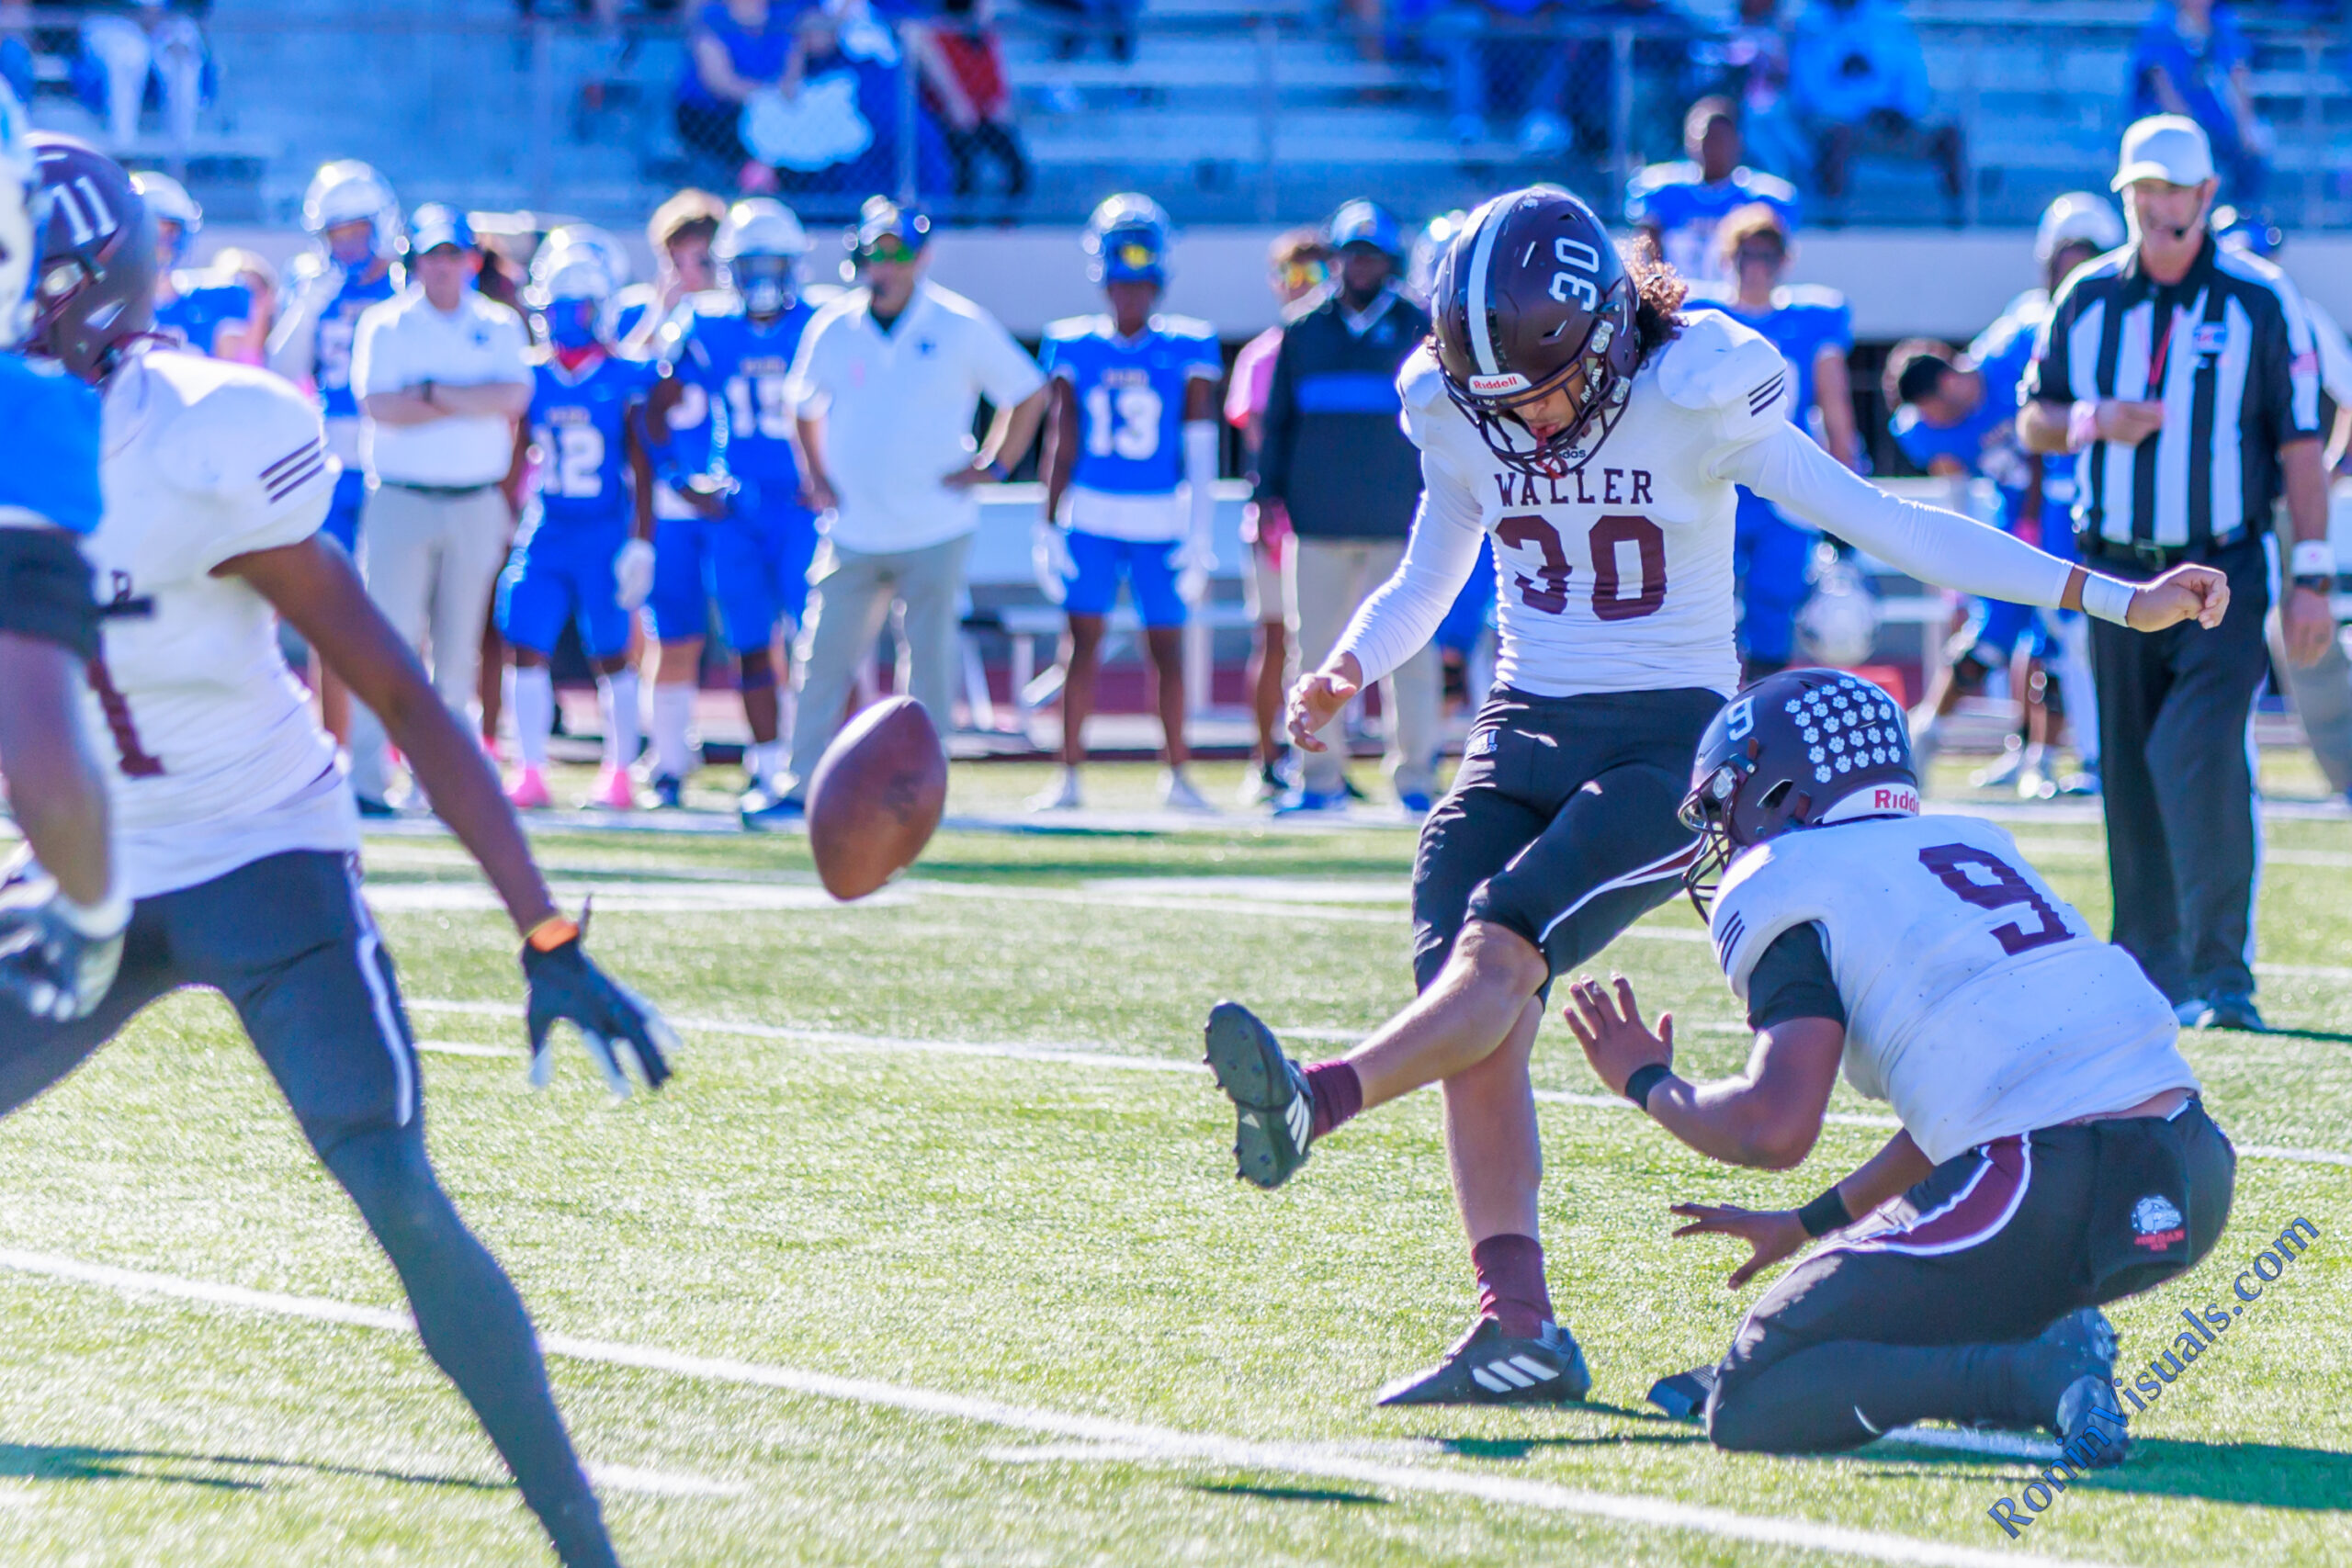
(2228, 350)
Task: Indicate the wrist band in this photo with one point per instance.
(1645, 1082)
(1824, 1215)
(2312, 558)
(2107, 599)
(551, 933)
(2082, 425)
(1000, 471)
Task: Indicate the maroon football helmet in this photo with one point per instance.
(1531, 298)
(93, 287)
(1799, 748)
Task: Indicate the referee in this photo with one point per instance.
(2183, 377)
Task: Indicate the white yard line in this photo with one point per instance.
(1158, 1444)
(1083, 1056)
(661, 1483)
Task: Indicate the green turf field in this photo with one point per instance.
(933, 1254)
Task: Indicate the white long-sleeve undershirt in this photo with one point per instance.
(1786, 467)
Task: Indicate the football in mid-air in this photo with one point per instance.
(876, 797)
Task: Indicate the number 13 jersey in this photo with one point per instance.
(1616, 577)
(1977, 1001)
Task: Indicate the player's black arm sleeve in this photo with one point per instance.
(1281, 426)
(1794, 980)
(45, 589)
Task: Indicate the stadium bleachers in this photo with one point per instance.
(1233, 111)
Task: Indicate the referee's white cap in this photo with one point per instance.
(2169, 147)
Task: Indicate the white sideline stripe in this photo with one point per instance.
(1079, 1056)
(661, 1483)
(460, 1048)
(1156, 1444)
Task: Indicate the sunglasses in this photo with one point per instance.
(887, 248)
(1764, 256)
(1301, 274)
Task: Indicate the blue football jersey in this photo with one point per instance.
(338, 331)
(1684, 210)
(1984, 442)
(579, 423)
(1130, 395)
(49, 448)
(197, 316)
(1803, 320)
(745, 373)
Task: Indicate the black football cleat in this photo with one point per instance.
(1275, 1111)
(1489, 1366)
(1683, 1396)
(2089, 1422)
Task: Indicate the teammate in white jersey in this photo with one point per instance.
(238, 838)
(1566, 408)
(2054, 1155)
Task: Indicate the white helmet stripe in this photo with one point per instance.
(1489, 222)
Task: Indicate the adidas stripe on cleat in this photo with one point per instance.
(1490, 1367)
(1274, 1115)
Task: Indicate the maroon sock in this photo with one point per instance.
(1336, 1093)
(1510, 1283)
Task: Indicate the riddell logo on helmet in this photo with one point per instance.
(1508, 381)
(1877, 800)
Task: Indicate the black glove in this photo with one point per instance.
(622, 1030)
(57, 957)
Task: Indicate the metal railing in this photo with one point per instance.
(1244, 118)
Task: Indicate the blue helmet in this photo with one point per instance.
(1363, 222)
(1127, 241)
(2248, 231)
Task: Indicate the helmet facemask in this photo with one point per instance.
(1602, 374)
(765, 282)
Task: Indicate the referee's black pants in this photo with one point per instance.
(2179, 778)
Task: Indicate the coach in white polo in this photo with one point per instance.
(439, 375)
(887, 381)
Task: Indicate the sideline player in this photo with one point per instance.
(1814, 328)
(59, 944)
(2053, 1156)
(353, 222)
(585, 553)
(239, 839)
(1130, 469)
(1569, 408)
(215, 319)
(753, 554)
(680, 232)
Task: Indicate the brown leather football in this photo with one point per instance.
(876, 798)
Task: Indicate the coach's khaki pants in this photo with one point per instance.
(850, 593)
(1327, 579)
(431, 563)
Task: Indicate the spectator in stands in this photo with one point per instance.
(2191, 59)
(848, 45)
(1756, 55)
(439, 375)
(886, 384)
(1336, 460)
(122, 51)
(1496, 54)
(1297, 265)
(964, 83)
(1678, 204)
(734, 48)
(1860, 83)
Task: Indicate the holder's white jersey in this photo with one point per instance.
(1617, 577)
(218, 761)
(1978, 1002)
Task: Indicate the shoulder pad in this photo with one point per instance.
(1184, 327)
(1071, 328)
(239, 433)
(1761, 897)
(1651, 178)
(1420, 387)
(1768, 187)
(1718, 363)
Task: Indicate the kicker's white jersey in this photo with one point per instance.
(1978, 1002)
(1616, 577)
(219, 761)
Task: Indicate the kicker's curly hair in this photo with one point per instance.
(1660, 289)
